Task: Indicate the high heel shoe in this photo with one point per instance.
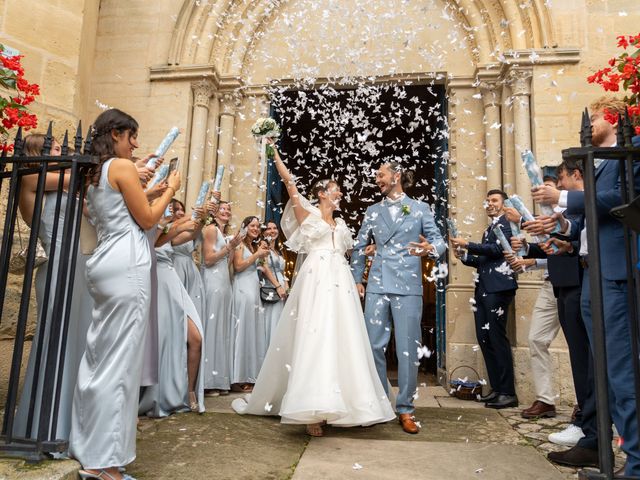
(101, 475)
(193, 402)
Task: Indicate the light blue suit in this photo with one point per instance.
(394, 288)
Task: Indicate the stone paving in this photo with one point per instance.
(459, 440)
(536, 432)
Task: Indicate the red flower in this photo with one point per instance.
(612, 61)
(4, 147)
(622, 42)
(610, 117)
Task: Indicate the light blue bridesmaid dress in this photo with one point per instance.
(249, 333)
(171, 394)
(217, 321)
(150, 358)
(105, 403)
(272, 311)
(79, 320)
(189, 275)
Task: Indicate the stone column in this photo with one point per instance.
(212, 137)
(521, 91)
(202, 92)
(508, 150)
(492, 129)
(228, 106)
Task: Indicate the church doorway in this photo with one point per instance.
(346, 133)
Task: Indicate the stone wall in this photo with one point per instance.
(57, 39)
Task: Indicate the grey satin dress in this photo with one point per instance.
(150, 359)
(217, 321)
(105, 403)
(79, 320)
(171, 394)
(189, 275)
(249, 333)
(272, 311)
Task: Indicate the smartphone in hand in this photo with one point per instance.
(173, 164)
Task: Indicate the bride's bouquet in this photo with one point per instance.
(266, 128)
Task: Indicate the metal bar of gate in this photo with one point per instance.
(599, 346)
(5, 255)
(60, 313)
(14, 377)
(75, 247)
(627, 190)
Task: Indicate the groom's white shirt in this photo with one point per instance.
(394, 206)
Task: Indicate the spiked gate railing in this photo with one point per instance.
(49, 345)
(626, 154)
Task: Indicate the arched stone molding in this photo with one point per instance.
(221, 32)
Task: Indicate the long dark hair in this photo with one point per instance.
(102, 144)
(251, 245)
(406, 176)
(276, 245)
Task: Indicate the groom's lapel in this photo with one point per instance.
(401, 215)
(385, 214)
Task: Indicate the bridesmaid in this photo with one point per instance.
(218, 326)
(250, 338)
(81, 305)
(273, 271)
(103, 429)
(180, 358)
(183, 247)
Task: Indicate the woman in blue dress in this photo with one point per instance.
(249, 333)
(273, 276)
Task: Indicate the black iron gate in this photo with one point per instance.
(35, 443)
(626, 154)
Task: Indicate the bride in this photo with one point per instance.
(319, 368)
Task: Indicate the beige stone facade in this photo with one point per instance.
(515, 73)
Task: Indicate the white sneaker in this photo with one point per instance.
(568, 437)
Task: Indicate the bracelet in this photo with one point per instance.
(174, 190)
(277, 286)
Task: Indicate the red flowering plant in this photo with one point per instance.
(623, 70)
(19, 94)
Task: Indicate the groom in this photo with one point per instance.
(398, 225)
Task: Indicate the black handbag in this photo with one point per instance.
(268, 293)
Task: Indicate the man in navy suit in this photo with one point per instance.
(622, 401)
(495, 289)
(566, 274)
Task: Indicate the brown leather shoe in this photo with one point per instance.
(539, 409)
(407, 420)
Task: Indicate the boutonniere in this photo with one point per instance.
(405, 209)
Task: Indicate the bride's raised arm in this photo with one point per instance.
(300, 212)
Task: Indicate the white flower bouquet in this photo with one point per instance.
(266, 128)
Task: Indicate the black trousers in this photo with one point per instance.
(491, 332)
(581, 362)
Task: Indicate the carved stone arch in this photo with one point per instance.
(222, 32)
(241, 45)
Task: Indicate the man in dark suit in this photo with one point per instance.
(565, 274)
(622, 401)
(495, 289)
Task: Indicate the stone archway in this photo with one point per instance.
(497, 46)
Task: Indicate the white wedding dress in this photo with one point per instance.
(319, 366)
